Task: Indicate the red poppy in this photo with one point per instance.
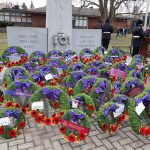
(62, 130)
(61, 113)
(147, 131)
(121, 119)
(71, 138)
(81, 136)
(8, 65)
(34, 113)
(142, 130)
(17, 63)
(42, 59)
(13, 63)
(27, 106)
(125, 57)
(113, 128)
(89, 88)
(20, 61)
(1, 99)
(56, 120)
(1, 130)
(22, 125)
(91, 107)
(55, 105)
(104, 127)
(56, 79)
(70, 91)
(54, 115)
(76, 57)
(39, 119)
(16, 105)
(8, 104)
(24, 110)
(12, 133)
(24, 59)
(47, 121)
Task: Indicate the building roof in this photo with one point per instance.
(79, 11)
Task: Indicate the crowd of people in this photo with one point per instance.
(122, 31)
(137, 35)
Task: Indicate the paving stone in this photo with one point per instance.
(143, 139)
(88, 139)
(77, 144)
(137, 144)
(122, 134)
(88, 146)
(56, 145)
(114, 138)
(67, 146)
(146, 147)
(92, 133)
(13, 148)
(40, 147)
(47, 135)
(37, 140)
(96, 141)
(77, 148)
(100, 148)
(118, 146)
(103, 136)
(132, 136)
(28, 137)
(21, 136)
(26, 145)
(4, 146)
(107, 144)
(57, 137)
(141, 148)
(47, 143)
(126, 129)
(125, 141)
(16, 142)
(128, 147)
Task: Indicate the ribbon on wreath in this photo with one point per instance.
(92, 71)
(102, 88)
(88, 82)
(38, 77)
(111, 108)
(17, 72)
(12, 50)
(14, 113)
(51, 94)
(76, 117)
(145, 99)
(78, 75)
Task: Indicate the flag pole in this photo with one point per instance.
(146, 16)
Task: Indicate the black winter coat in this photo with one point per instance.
(137, 36)
(107, 27)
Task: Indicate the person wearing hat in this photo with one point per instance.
(106, 34)
(137, 37)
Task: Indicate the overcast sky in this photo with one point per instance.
(37, 3)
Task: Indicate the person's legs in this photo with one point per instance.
(135, 51)
(105, 43)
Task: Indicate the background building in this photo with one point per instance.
(82, 18)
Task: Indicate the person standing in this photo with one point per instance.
(106, 34)
(137, 37)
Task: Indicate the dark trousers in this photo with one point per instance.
(136, 51)
(105, 43)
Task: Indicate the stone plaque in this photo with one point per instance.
(31, 39)
(86, 38)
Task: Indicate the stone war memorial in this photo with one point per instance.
(66, 88)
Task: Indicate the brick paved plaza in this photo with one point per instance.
(35, 137)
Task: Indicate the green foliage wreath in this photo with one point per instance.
(12, 130)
